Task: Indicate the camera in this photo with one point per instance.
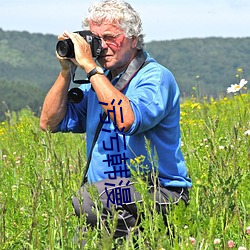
(65, 48)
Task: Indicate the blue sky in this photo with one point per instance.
(162, 19)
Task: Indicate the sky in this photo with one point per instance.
(162, 19)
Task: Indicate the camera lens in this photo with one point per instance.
(75, 95)
(65, 48)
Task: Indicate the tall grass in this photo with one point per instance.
(40, 172)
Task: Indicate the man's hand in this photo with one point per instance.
(66, 63)
(83, 54)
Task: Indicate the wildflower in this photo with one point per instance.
(192, 240)
(237, 87)
(132, 162)
(216, 241)
(230, 244)
(195, 106)
(45, 216)
(240, 70)
(221, 147)
(137, 160)
(242, 248)
(247, 133)
(22, 210)
(248, 230)
(198, 182)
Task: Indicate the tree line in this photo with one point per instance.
(202, 67)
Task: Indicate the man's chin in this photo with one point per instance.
(105, 63)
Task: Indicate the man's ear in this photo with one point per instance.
(134, 42)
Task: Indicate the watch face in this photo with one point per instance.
(99, 70)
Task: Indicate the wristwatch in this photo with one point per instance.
(96, 70)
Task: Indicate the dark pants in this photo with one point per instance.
(127, 215)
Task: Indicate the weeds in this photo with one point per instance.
(40, 172)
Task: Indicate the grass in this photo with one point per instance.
(40, 172)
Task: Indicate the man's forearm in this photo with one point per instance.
(106, 93)
(55, 103)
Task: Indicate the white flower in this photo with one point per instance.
(237, 87)
(192, 240)
(217, 241)
(246, 133)
(242, 248)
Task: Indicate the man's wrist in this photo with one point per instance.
(96, 70)
(65, 73)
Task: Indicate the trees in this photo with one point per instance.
(17, 95)
(28, 65)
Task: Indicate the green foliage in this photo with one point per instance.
(208, 62)
(28, 58)
(14, 95)
(35, 208)
(40, 172)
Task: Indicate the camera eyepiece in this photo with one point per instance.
(65, 48)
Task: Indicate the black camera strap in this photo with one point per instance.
(136, 64)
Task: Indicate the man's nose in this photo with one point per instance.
(104, 44)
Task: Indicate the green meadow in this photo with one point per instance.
(40, 172)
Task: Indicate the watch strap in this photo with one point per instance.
(93, 72)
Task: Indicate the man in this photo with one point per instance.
(141, 100)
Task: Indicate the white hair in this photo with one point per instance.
(120, 13)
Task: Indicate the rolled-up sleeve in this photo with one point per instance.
(152, 99)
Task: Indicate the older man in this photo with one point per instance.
(140, 98)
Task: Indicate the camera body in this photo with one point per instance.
(65, 48)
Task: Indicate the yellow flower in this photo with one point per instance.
(195, 105)
(240, 70)
(132, 162)
(138, 160)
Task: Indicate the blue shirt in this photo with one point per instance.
(154, 98)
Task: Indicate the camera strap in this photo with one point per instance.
(136, 64)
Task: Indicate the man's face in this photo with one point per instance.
(118, 50)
